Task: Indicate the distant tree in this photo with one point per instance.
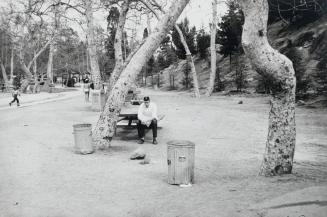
(240, 75)
(189, 34)
(168, 52)
(112, 22)
(230, 31)
(161, 61)
(68, 52)
(203, 42)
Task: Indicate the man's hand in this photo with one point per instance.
(147, 123)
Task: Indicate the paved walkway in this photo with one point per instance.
(42, 97)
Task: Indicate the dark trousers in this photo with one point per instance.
(15, 99)
(141, 128)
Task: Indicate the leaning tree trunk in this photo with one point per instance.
(26, 70)
(119, 61)
(189, 61)
(280, 145)
(213, 49)
(105, 127)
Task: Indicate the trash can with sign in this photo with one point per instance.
(180, 159)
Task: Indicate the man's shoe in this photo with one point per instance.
(155, 142)
(141, 141)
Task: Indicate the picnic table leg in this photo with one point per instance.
(130, 121)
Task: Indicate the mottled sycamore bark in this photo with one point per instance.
(105, 126)
(50, 65)
(213, 49)
(280, 145)
(91, 45)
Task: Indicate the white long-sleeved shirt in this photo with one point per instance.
(146, 114)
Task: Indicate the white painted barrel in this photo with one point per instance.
(98, 98)
(83, 138)
(180, 159)
(95, 99)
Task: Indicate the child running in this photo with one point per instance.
(15, 95)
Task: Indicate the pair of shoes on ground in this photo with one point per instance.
(141, 141)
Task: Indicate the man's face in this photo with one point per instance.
(147, 103)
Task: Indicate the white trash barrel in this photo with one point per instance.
(95, 98)
(83, 138)
(98, 98)
(180, 159)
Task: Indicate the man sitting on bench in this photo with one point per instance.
(147, 117)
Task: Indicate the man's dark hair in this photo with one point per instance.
(146, 99)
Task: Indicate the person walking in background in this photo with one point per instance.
(86, 89)
(15, 94)
(147, 115)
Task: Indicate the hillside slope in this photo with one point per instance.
(305, 45)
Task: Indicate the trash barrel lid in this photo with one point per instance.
(181, 143)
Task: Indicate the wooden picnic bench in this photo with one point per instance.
(129, 113)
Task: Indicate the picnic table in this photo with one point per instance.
(128, 112)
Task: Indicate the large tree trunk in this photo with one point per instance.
(119, 61)
(280, 145)
(56, 22)
(92, 50)
(105, 127)
(213, 49)
(50, 65)
(4, 73)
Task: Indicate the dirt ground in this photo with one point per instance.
(42, 176)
